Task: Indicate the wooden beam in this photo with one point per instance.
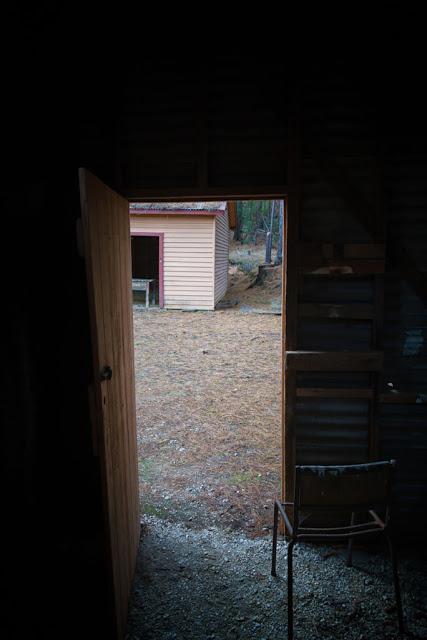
(290, 299)
(346, 188)
(349, 311)
(314, 393)
(195, 193)
(329, 251)
(408, 268)
(342, 267)
(232, 213)
(377, 343)
(403, 398)
(366, 214)
(328, 258)
(334, 361)
(366, 251)
(201, 136)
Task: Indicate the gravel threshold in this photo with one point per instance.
(216, 584)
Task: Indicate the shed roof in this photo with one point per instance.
(181, 208)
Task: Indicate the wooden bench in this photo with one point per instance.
(143, 284)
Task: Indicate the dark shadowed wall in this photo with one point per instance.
(164, 125)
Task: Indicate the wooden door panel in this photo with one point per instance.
(105, 217)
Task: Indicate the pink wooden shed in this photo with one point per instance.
(184, 246)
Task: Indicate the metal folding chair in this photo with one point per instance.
(329, 497)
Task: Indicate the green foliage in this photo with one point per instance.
(240, 478)
(254, 217)
(153, 510)
(147, 469)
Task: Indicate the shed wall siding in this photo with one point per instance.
(221, 256)
(188, 259)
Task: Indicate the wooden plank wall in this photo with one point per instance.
(183, 132)
(289, 300)
(358, 210)
(334, 267)
(173, 141)
(403, 408)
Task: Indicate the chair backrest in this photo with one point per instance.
(350, 487)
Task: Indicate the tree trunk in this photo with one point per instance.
(279, 256)
(238, 228)
(269, 235)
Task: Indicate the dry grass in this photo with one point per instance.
(207, 387)
(246, 256)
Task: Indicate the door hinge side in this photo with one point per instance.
(79, 238)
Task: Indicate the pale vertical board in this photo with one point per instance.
(290, 303)
(105, 217)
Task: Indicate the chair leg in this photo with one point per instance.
(350, 544)
(290, 592)
(274, 550)
(396, 585)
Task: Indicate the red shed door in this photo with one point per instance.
(105, 217)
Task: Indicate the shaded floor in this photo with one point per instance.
(212, 584)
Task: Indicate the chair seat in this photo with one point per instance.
(318, 532)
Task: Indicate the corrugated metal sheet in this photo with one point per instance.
(191, 207)
(329, 431)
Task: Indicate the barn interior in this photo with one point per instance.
(344, 137)
(145, 262)
(145, 256)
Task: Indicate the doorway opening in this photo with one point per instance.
(147, 268)
(207, 416)
(208, 380)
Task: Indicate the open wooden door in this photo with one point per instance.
(106, 234)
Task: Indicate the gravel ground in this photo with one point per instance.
(216, 584)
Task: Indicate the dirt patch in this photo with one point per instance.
(246, 289)
(208, 417)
